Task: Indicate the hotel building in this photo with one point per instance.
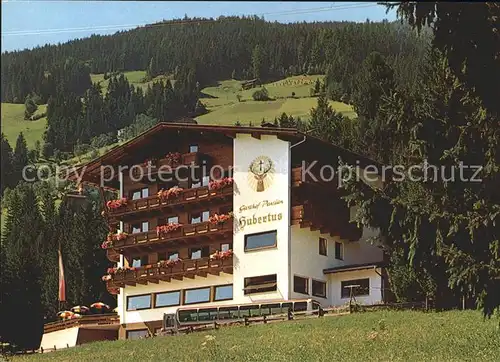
(226, 216)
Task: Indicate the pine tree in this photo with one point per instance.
(7, 166)
(21, 296)
(20, 157)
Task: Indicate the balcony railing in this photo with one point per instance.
(185, 196)
(336, 223)
(183, 233)
(84, 320)
(184, 269)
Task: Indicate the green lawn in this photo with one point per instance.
(13, 123)
(372, 336)
(224, 107)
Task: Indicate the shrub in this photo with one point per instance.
(261, 95)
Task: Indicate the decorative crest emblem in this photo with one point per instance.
(261, 173)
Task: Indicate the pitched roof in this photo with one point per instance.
(115, 155)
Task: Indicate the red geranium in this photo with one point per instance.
(165, 229)
(172, 192)
(220, 219)
(220, 184)
(116, 204)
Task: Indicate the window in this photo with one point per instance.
(139, 261)
(322, 246)
(260, 240)
(193, 148)
(226, 247)
(172, 255)
(261, 284)
(199, 252)
(223, 292)
(339, 251)
(169, 220)
(205, 180)
(300, 285)
(360, 287)
(318, 288)
(137, 334)
(140, 227)
(200, 217)
(192, 296)
(167, 299)
(138, 302)
(140, 194)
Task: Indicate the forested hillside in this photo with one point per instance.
(214, 49)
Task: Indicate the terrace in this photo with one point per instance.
(106, 321)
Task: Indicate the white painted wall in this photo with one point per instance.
(307, 262)
(270, 261)
(61, 339)
(155, 314)
(375, 296)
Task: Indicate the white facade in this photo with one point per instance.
(296, 252)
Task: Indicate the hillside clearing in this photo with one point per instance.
(225, 108)
(13, 123)
(135, 78)
(372, 336)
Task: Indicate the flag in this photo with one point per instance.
(62, 286)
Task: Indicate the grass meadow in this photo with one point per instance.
(371, 336)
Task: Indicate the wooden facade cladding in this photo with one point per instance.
(184, 269)
(165, 165)
(191, 233)
(324, 220)
(201, 196)
(88, 321)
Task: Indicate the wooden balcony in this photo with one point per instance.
(301, 177)
(89, 321)
(328, 221)
(150, 240)
(164, 166)
(184, 269)
(186, 197)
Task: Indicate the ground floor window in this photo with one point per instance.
(223, 292)
(167, 299)
(138, 302)
(359, 287)
(300, 285)
(318, 288)
(260, 284)
(192, 296)
(137, 334)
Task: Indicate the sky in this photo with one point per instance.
(27, 24)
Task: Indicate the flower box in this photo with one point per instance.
(222, 255)
(220, 184)
(220, 219)
(163, 230)
(171, 193)
(116, 204)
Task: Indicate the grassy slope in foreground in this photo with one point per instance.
(380, 336)
(13, 123)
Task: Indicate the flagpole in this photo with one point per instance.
(62, 283)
